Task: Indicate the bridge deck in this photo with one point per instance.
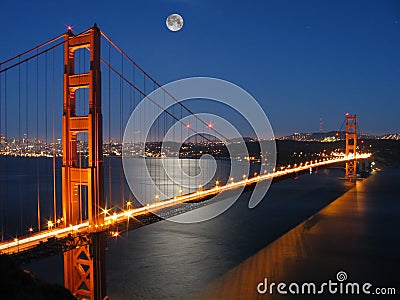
(63, 238)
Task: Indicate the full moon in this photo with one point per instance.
(174, 22)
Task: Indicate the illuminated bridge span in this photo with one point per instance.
(120, 219)
(59, 191)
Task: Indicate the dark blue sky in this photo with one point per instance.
(301, 60)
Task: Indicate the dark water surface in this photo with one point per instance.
(356, 235)
(169, 260)
(175, 261)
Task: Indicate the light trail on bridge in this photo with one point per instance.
(27, 242)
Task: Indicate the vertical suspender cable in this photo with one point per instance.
(156, 141)
(19, 142)
(132, 103)
(181, 160)
(145, 139)
(141, 155)
(166, 185)
(45, 128)
(109, 129)
(54, 142)
(6, 143)
(173, 155)
(37, 143)
(27, 137)
(203, 146)
(121, 122)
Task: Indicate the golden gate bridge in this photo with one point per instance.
(94, 68)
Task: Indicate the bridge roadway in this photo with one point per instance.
(143, 214)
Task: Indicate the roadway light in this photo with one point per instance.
(105, 211)
(50, 224)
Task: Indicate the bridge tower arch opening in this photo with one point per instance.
(84, 266)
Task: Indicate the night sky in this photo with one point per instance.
(302, 60)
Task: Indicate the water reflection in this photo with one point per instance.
(342, 236)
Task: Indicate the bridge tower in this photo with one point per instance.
(84, 266)
(351, 145)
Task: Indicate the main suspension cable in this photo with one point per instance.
(31, 50)
(146, 96)
(37, 52)
(158, 84)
